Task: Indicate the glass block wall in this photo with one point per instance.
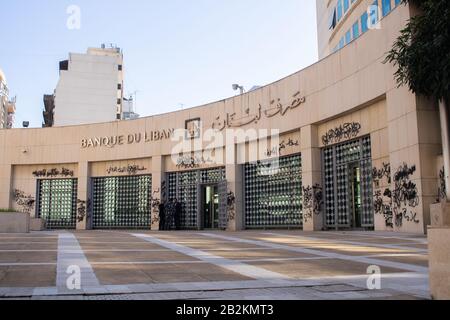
(336, 160)
(274, 198)
(57, 203)
(121, 202)
(184, 186)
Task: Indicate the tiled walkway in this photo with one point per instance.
(213, 265)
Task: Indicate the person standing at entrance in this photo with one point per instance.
(178, 211)
(170, 213)
(162, 216)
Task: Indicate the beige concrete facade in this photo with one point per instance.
(352, 86)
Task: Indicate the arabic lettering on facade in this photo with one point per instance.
(130, 169)
(51, 173)
(275, 108)
(343, 132)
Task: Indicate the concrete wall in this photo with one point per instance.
(14, 223)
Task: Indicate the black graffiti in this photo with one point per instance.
(155, 203)
(191, 162)
(283, 145)
(231, 206)
(405, 195)
(83, 209)
(27, 202)
(52, 173)
(442, 191)
(312, 201)
(379, 174)
(343, 132)
(381, 207)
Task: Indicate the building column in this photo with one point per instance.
(235, 194)
(159, 189)
(84, 205)
(5, 186)
(414, 145)
(312, 189)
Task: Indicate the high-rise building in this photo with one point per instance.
(89, 90)
(340, 22)
(7, 104)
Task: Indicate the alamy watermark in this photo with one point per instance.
(73, 282)
(74, 18)
(374, 280)
(228, 147)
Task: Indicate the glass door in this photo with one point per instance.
(355, 195)
(210, 207)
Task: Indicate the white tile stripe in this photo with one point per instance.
(355, 243)
(232, 265)
(370, 261)
(71, 254)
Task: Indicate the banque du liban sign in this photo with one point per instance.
(133, 138)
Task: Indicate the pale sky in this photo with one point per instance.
(176, 52)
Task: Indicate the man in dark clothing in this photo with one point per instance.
(170, 213)
(162, 216)
(178, 212)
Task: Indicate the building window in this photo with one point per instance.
(348, 37)
(119, 101)
(374, 13)
(339, 10)
(364, 21)
(119, 86)
(386, 7)
(346, 6)
(274, 199)
(333, 20)
(120, 67)
(122, 202)
(58, 203)
(355, 30)
(341, 43)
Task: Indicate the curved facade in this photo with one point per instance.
(353, 151)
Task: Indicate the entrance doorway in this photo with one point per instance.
(348, 196)
(210, 206)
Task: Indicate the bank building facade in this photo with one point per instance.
(354, 150)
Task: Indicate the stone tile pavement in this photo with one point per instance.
(250, 265)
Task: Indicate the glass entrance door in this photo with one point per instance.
(210, 207)
(355, 195)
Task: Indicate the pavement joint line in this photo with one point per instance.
(232, 265)
(198, 262)
(354, 243)
(370, 261)
(378, 236)
(70, 253)
(228, 286)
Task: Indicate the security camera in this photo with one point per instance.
(235, 87)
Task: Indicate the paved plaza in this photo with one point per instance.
(253, 265)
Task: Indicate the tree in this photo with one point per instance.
(422, 55)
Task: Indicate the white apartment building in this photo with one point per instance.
(89, 90)
(7, 105)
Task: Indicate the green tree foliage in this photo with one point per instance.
(422, 51)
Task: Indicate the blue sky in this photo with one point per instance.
(176, 51)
